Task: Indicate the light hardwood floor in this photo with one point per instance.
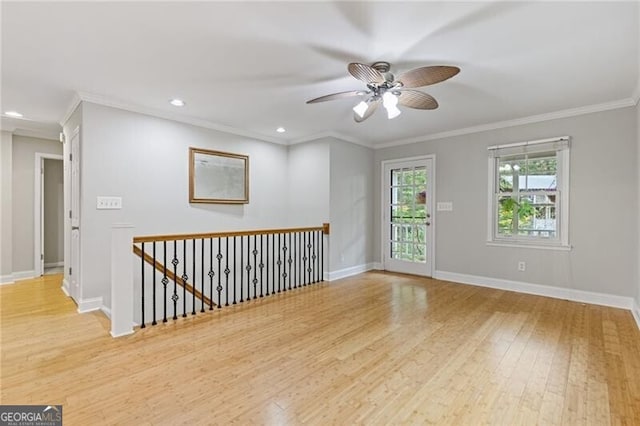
(374, 349)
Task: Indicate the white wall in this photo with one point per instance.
(53, 197)
(638, 216)
(23, 164)
(144, 160)
(352, 207)
(6, 234)
(603, 205)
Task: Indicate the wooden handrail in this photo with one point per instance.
(152, 238)
(160, 267)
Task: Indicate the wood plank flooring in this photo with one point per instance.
(376, 349)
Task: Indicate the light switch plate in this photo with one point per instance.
(444, 206)
(109, 203)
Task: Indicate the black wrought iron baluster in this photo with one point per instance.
(219, 287)
(267, 263)
(289, 261)
(299, 250)
(279, 263)
(175, 296)
(248, 267)
(226, 271)
(184, 277)
(201, 275)
(321, 255)
(165, 281)
(154, 284)
(304, 259)
(241, 267)
(193, 268)
(309, 253)
(234, 269)
(295, 255)
(261, 266)
(273, 264)
(142, 279)
(314, 257)
(255, 269)
(211, 274)
(285, 249)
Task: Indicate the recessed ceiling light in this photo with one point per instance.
(177, 102)
(280, 130)
(13, 114)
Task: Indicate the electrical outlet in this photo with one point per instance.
(109, 203)
(522, 266)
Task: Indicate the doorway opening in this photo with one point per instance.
(49, 214)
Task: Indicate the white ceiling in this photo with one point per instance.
(252, 66)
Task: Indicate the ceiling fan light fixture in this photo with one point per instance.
(390, 103)
(361, 108)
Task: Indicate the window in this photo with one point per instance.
(529, 193)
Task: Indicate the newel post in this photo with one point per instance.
(121, 279)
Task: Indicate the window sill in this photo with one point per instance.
(519, 244)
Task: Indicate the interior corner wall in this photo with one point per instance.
(603, 205)
(352, 206)
(144, 160)
(6, 238)
(23, 175)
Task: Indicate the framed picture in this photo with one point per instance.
(218, 177)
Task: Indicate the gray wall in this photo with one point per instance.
(603, 205)
(23, 164)
(53, 219)
(638, 170)
(308, 177)
(6, 258)
(144, 160)
(352, 208)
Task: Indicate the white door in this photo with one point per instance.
(74, 269)
(407, 217)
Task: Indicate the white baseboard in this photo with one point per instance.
(636, 312)
(6, 279)
(106, 311)
(89, 305)
(23, 275)
(347, 272)
(121, 334)
(54, 264)
(539, 290)
(65, 287)
(378, 266)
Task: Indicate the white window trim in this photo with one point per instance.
(560, 243)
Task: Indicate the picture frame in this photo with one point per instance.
(217, 177)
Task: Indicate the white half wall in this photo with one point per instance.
(603, 205)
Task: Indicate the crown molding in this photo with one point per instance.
(329, 134)
(113, 103)
(75, 101)
(572, 112)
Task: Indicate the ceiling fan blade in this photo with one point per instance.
(339, 95)
(417, 99)
(365, 73)
(373, 106)
(425, 76)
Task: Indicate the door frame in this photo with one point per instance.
(383, 184)
(38, 210)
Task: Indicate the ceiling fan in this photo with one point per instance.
(383, 87)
